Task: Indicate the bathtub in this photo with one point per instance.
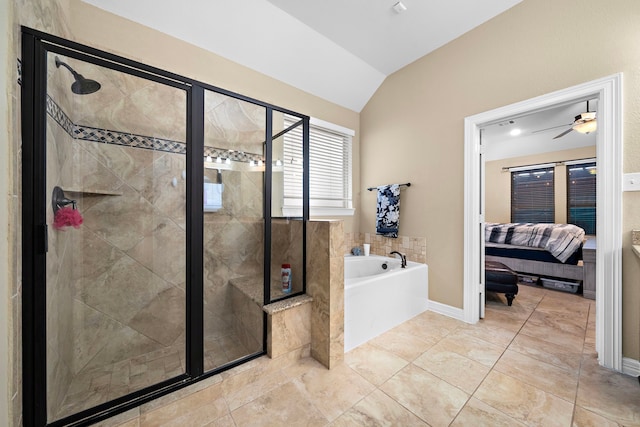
(377, 298)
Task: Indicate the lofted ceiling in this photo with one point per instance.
(338, 50)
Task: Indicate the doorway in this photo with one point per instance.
(609, 201)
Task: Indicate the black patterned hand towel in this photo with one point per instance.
(388, 213)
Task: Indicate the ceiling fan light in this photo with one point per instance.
(586, 127)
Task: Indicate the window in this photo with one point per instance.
(329, 169)
(532, 195)
(581, 196)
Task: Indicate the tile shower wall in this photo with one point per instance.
(286, 244)
(48, 17)
(234, 235)
(415, 248)
(60, 349)
(122, 294)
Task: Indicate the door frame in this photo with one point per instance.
(609, 205)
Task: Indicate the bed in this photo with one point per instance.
(544, 250)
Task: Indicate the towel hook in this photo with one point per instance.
(58, 200)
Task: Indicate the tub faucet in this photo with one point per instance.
(403, 258)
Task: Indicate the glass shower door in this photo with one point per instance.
(233, 210)
(116, 216)
(287, 224)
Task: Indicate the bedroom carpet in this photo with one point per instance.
(530, 364)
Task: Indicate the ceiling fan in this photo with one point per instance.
(583, 123)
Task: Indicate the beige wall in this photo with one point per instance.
(417, 117)
(498, 183)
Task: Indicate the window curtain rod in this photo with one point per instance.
(547, 165)
(408, 184)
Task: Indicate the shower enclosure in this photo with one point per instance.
(153, 231)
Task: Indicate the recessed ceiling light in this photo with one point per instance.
(515, 132)
(399, 7)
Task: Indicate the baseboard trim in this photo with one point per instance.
(446, 310)
(631, 367)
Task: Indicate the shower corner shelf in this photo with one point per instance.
(93, 192)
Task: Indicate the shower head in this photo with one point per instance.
(81, 86)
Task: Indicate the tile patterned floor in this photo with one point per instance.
(99, 385)
(532, 364)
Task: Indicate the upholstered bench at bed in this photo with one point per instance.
(500, 278)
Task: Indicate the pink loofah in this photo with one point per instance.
(65, 217)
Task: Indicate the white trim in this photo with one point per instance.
(313, 211)
(332, 127)
(579, 162)
(445, 310)
(631, 367)
(530, 167)
(609, 213)
(294, 211)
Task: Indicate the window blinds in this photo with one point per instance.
(532, 196)
(329, 167)
(581, 196)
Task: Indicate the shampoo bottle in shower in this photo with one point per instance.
(286, 278)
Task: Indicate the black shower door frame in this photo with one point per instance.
(35, 46)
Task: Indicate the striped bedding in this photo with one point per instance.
(560, 240)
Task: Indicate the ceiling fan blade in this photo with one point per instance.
(551, 128)
(563, 133)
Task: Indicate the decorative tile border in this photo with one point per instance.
(59, 116)
(19, 65)
(105, 136)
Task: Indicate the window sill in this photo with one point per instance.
(318, 211)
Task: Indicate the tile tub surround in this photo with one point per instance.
(518, 372)
(415, 248)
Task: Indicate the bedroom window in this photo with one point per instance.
(581, 196)
(330, 170)
(532, 195)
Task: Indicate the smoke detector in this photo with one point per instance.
(399, 7)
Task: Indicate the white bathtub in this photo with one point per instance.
(377, 299)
